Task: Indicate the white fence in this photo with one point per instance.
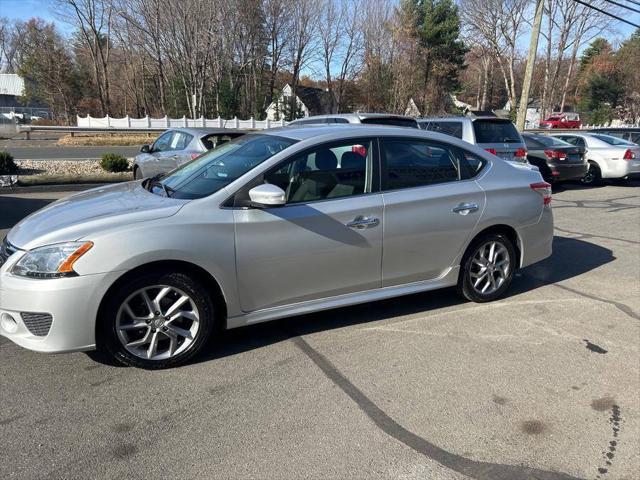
(166, 122)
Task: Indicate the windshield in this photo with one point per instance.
(219, 167)
(613, 140)
(496, 131)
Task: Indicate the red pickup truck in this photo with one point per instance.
(561, 121)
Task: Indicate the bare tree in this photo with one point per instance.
(93, 18)
(498, 24)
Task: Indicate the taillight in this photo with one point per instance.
(629, 155)
(493, 151)
(544, 189)
(520, 153)
(194, 156)
(551, 154)
(359, 149)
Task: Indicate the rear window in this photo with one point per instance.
(551, 141)
(495, 131)
(394, 121)
(612, 140)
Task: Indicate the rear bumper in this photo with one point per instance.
(622, 169)
(568, 171)
(536, 240)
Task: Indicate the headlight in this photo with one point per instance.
(52, 261)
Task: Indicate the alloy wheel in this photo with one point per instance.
(490, 267)
(157, 322)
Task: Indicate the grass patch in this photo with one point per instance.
(113, 140)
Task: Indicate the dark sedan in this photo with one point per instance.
(556, 159)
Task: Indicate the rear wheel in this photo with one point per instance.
(157, 320)
(593, 175)
(487, 268)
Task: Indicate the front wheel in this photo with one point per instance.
(157, 320)
(487, 268)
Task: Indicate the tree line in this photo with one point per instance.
(232, 57)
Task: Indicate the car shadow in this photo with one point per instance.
(14, 209)
(571, 258)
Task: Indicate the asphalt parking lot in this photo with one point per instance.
(544, 384)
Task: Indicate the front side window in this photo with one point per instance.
(333, 170)
(411, 163)
(163, 143)
(219, 167)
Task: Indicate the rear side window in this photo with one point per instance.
(495, 131)
(409, 163)
(448, 128)
(577, 141)
(394, 121)
(180, 140)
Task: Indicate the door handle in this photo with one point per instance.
(362, 222)
(466, 208)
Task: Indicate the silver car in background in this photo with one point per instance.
(270, 225)
(177, 146)
(388, 119)
(608, 156)
(498, 136)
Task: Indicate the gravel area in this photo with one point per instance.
(61, 167)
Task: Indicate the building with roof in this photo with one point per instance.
(310, 101)
(11, 89)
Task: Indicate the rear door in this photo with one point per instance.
(431, 206)
(326, 240)
(178, 152)
(501, 137)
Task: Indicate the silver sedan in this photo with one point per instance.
(269, 225)
(177, 146)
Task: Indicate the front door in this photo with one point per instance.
(431, 206)
(326, 240)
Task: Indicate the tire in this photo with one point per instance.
(129, 324)
(471, 270)
(593, 175)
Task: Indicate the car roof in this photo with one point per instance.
(359, 116)
(306, 131)
(460, 117)
(197, 131)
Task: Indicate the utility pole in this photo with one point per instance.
(531, 59)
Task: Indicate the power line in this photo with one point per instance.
(607, 13)
(633, 1)
(623, 6)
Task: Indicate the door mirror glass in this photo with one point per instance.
(267, 195)
(145, 149)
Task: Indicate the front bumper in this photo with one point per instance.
(72, 303)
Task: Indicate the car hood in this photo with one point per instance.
(85, 213)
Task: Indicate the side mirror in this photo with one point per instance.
(145, 149)
(267, 195)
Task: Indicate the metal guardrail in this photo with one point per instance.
(27, 129)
